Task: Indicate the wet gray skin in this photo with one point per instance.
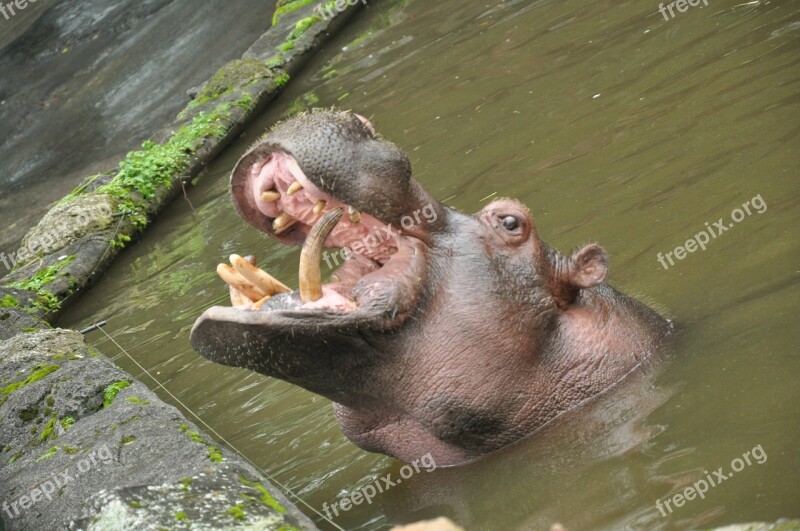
(466, 335)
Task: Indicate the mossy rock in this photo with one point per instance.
(235, 74)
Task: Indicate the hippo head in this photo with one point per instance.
(439, 332)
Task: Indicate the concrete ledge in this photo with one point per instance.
(83, 445)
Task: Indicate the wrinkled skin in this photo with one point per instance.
(473, 334)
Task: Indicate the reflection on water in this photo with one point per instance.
(614, 126)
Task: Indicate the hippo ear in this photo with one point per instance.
(584, 269)
(587, 267)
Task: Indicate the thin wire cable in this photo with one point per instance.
(220, 437)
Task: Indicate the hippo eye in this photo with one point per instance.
(510, 223)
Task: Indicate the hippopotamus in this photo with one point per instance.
(439, 332)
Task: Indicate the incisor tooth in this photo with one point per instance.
(259, 277)
(319, 206)
(239, 283)
(270, 196)
(258, 304)
(283, 222)
(294, 188)
(237, 297)
(353, 214)
(311, 255)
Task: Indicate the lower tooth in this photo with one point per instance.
(319, 206)
(258, 304)
(269, 284)
(238, 298)
(239, 283)
(311, 256)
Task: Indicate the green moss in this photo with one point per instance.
(48, 431)
(284, 7)
(236, 512)
(266, 497)
(137, 400)
(276, 61)
(214, 454)
(287, 528)
(233, 75)
(181, 516)
(70, 450)
(282, 80)
(45, 300)
(153, 167)
(127, 440)
(195, 437)
(31, 329)
(245, 102)
(15, 457)
(135, 504)
(67, 422)
(50, 401)
(185, 482)
(300, 29)
(39, 372)
(48, 454)
(8, 302)
(110, 392)
(183, 427)
(120, 241)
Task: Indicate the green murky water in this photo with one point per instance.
(613, 125)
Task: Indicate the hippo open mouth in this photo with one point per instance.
(382, 262)
(441, 332)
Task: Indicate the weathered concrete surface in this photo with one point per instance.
(73, 454)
